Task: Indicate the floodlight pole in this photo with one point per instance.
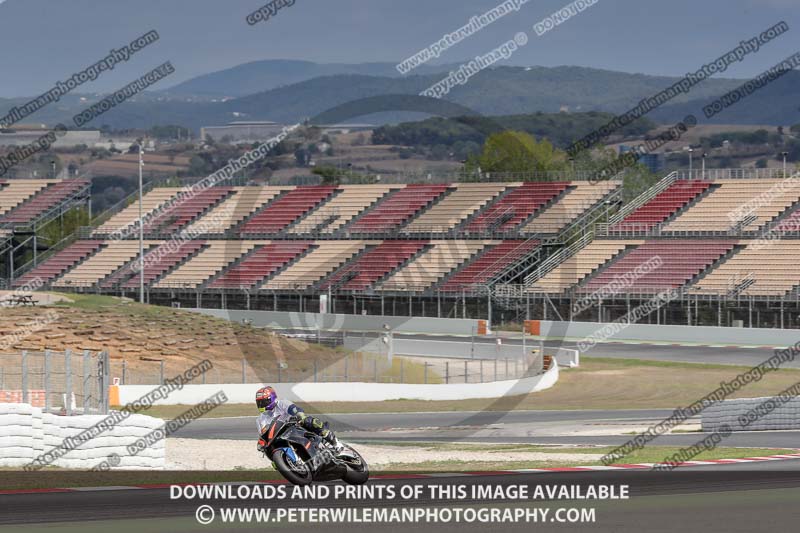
(141, 225)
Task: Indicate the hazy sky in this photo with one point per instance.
(47, 40)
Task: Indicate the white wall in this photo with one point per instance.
(349, 392)
(26, 433)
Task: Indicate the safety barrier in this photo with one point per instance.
(26, 433)
(772, 414)
(35, 397)
(352, 392)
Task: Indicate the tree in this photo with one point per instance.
(517, 151)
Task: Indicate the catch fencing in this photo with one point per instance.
(68, 382)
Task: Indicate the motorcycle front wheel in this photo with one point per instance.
(357, 468)
(297, 475)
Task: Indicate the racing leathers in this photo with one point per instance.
(284, 410)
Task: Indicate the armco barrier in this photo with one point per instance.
(351, 392)
(339, 322)
(677, 334)
(727, 412)
(26, 433)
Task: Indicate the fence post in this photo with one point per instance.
(124, 371)
(46, 381)
(466, 373)
(402, 370)
(346, 368)
(315, 370)
(375, 368)
(447, 372)
(244, 371)
(87, 371)
(506, 374)
(161, 381)
(495, 369)
(68, 381)
(481, 365)
(106, 380)
(516, 368)
(24, 378)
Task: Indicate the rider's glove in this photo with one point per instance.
(262, 445)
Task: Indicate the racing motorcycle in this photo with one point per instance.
(303, 457)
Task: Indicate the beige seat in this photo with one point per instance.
(209, 262)
(433, 265)
(583, 196)
(576, 268)
(721, 210)
(465, 200)
(17, 191)
(326, 257)
(130, 215)
(244, 202)
(342, 208)
(113, 256)
(772, 269)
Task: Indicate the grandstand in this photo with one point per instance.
(529, 247)
(29, 205)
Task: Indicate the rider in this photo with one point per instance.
(271, 408)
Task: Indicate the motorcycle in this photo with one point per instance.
(303, 457)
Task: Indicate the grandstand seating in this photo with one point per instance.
(579, 198)
(161, 260)
(45, 200)
(351, 201)
(576, 268)
(463, 202)
(286, 209)
(491, 262)
(373, 265)
(662, 206)
(113, 256)
(516, 206)
(240, 205)
(130, 215)
(681, 261)
(397, 209)
(184, 210)
(432, 265)
(213, 259)
(756, 270)
(15, 192)
(718, 210)
(261, 264)
(326, 257)
(59, 263)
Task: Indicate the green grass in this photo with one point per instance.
(600, 383)
(55, 478)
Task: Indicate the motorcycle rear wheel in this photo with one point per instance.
(291, 474)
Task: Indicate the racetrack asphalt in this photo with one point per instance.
(649, 352)
(728, 498)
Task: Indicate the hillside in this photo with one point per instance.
(496, 91)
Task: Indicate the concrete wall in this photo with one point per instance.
(350, 392)
(654, 333)
(728, 412)
(339, 322)
(26, 433)
(459, 349)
